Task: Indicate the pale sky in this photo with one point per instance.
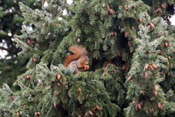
(172, 20)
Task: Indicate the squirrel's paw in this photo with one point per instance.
(86, 67)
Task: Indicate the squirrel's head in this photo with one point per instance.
(84, 60)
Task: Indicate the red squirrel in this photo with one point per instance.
(78, 58)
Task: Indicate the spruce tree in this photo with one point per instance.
(10, 23)
(131, 49)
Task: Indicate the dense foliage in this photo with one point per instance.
(131, 52)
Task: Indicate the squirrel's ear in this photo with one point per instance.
(86, 52)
